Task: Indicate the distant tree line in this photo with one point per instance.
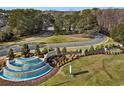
(6, 36)
(77, 22)
(22, 22)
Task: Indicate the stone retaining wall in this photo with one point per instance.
(49, 54)
(32, 82)
(9, 64)
(25, 62)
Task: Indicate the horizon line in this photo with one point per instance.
(59, 8)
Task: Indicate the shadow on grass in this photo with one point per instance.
(61, 83)
(79, 73)
(73, 75)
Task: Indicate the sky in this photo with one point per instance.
(54, 8)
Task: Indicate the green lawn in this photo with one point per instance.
(63, 39)
(45, 40)
(102, 70)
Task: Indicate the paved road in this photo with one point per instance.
(97, 40)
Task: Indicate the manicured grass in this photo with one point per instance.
(22, 40)
(45, 40)
(57, 39)
(63, 39)
(102, 70)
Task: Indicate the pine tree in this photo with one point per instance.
(50, 49)
(37, 50)
(102, 46)
(80, 50)
(11, 54)
(45, 50)
(86, 52)
(25, 50)
(64, 50)
(76, 51)
(91, 50)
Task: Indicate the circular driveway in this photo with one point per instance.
(96, 40)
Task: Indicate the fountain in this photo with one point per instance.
(20, 69)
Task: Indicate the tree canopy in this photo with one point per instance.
(22, 22)
(117, 33)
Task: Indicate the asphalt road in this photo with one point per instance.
(96, 40)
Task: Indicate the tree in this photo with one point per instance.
(50, 49)
(64, 50)
(91, 50)
(11, 54)
(67, 24)
(37, 50)
(45, 50)
(95, 10)
(117, 33)
(86, 52)
(29, 21)
(25, 21)
(97, 47)
(58, 24)
(6, 36)
(88, 23)
(75, 18)
(77, 51)
(107, 46)
(102, 46)
(25, 50)
(80, 50)
(47, 20)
